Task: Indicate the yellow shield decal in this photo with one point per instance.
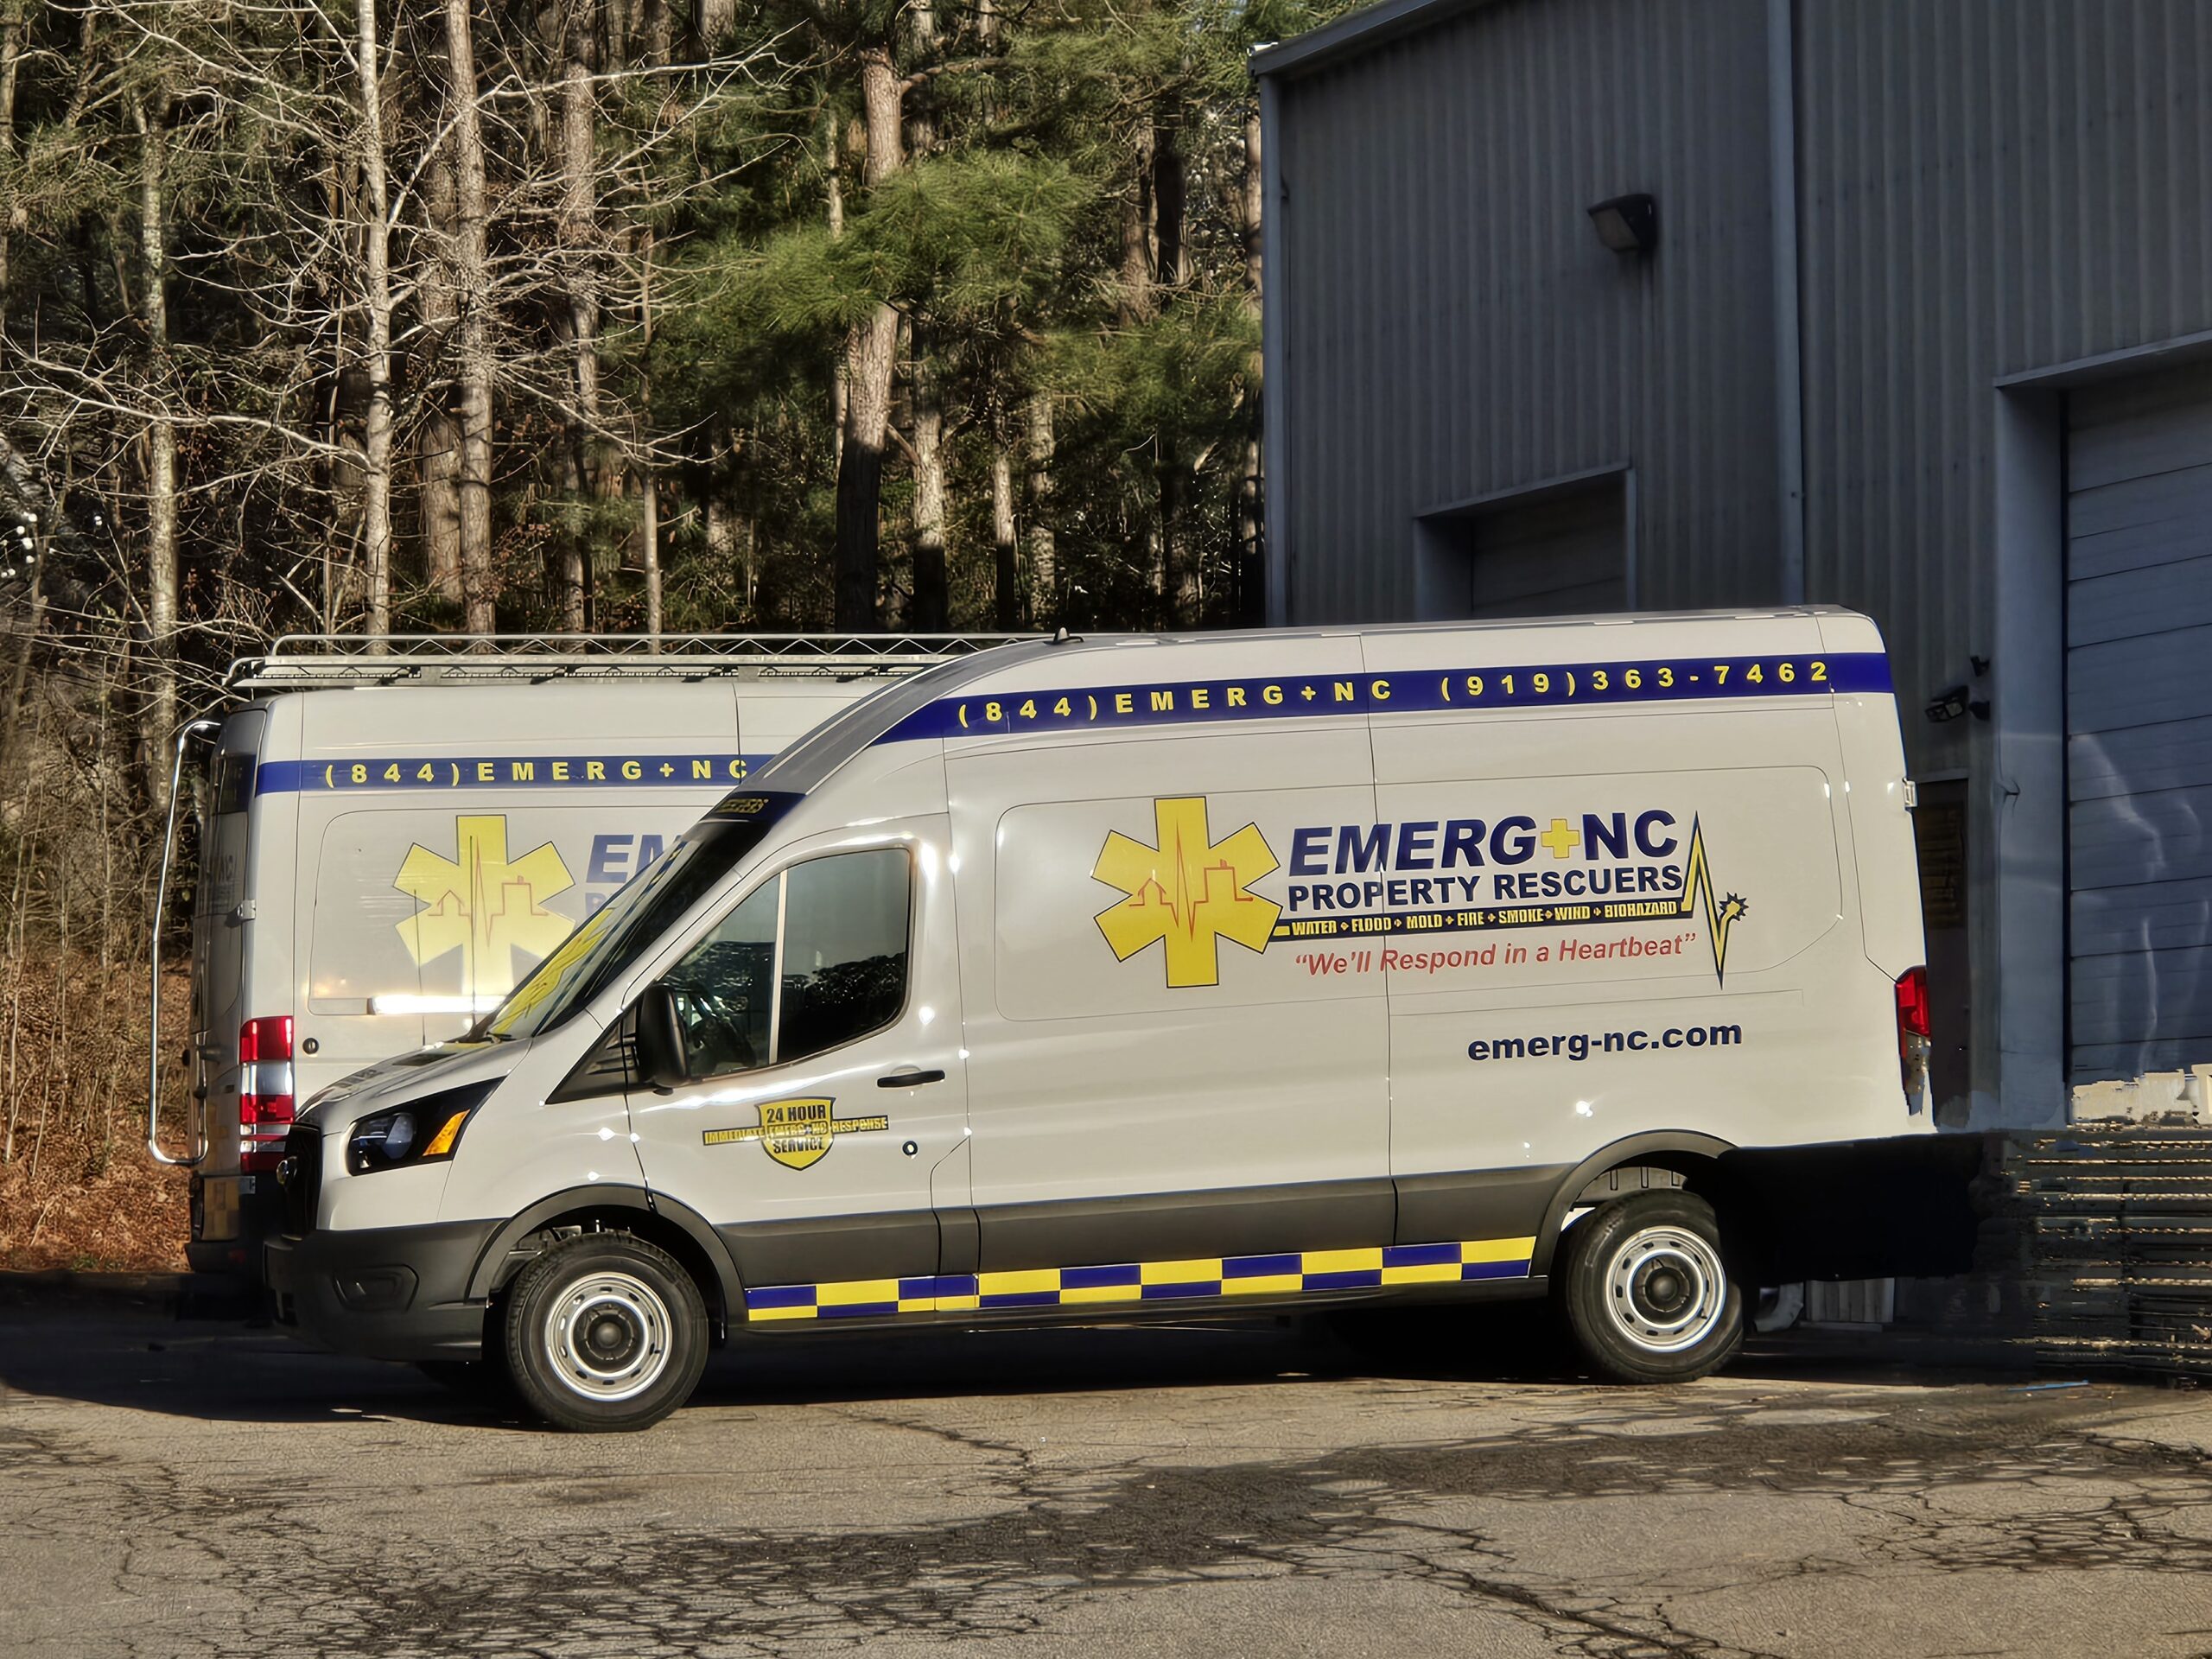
(797, 1132)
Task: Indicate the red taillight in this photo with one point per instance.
(1914, 1031)
(264, 1091)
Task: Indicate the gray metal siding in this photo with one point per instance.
(1986, 188)
(1453, 328)
(2138, 719)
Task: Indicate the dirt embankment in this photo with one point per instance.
(77, 1189)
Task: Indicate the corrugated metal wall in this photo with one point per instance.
(1987, 188)
(1452, 327)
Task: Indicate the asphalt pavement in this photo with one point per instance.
(184, 1487)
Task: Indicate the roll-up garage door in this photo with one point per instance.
(2139, 724)
(1560, 557)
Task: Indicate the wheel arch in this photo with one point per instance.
(1696, 1157)
(674, 1227)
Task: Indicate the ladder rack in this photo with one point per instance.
(300, 662)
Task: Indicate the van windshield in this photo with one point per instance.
(628, 925)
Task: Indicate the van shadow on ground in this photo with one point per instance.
(141, 1357)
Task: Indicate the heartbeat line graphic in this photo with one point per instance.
(1187, 893)
(483, 904)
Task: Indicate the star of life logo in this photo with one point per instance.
(1187, 893)
(483, 904)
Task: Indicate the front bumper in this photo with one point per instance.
(383, 1292)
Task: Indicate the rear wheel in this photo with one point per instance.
(605, 1331)
(1644, 1292)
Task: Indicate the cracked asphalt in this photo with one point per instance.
(191, 1488)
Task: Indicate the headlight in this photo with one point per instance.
(423, 1131)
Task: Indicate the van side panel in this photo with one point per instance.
(1705, 982)
(1662, 933)
(1150, 1068)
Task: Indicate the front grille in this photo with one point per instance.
(300, 1179)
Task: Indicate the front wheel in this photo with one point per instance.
(605, 1331)
(1644, 1292)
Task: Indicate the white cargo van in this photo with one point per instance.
(396, 830)
(1181, 974)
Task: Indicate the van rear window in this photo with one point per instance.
(233, 782)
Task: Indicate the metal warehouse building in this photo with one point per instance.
(1911, 312)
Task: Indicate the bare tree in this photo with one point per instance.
(376, 240)
(871, 360)
(473, 368)
(150, 114)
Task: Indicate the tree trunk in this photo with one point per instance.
(1133, 302)
(1176, 582)
(871, 355)
(932, 604)
(1006, 560)
(12, 716)
(870, 359)
(152, 123)
(437, 452)
(836, 211)
(376, 459)
(1169, 190)
(589, 471)
(11, 46)
(648, 479)
(721, 541)
(473, 285)
(717, 19)
(1250, 500)
(1044, 552)
(921, 128)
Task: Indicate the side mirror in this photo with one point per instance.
(662, 1055)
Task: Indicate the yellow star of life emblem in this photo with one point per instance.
(482, 904)
(1188, 892)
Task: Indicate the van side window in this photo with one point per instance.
(810, 961)
(234, 789)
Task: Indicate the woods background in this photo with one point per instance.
(584, 316)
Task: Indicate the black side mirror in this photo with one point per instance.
(662, 1055)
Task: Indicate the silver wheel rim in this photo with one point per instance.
(609, 1337)
(1665, 1290)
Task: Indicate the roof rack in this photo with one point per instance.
(299, 662)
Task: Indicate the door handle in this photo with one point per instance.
(912, 1078)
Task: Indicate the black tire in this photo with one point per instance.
(604, 1332)
(1644, 1294)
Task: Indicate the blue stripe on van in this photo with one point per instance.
(420, 772)
(1407, 691)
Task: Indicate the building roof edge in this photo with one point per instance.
(1361, 31)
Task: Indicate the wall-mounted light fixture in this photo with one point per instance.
(1946, 706)
(1627, 223)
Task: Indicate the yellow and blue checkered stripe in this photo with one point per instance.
(1208, 1278)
